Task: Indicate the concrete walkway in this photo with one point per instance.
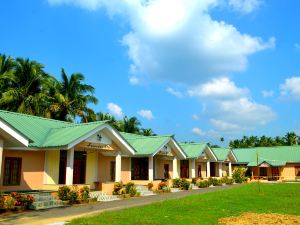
(68, 213)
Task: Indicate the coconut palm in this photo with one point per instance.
(26, 90)
(130, 125)
(71, 97)
(291, 138)
(147, 132)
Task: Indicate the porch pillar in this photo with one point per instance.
(118, 167)
(1, 155)
(150, 168)
(229, 169)
(175, 171)
(208, 168)
(70, 164)
(220, 169)
(193, 170)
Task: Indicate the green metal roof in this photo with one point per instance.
(193, 150)
(271, 163)
(146, 145)
(44, 132)
(278, 155)
(221, 153)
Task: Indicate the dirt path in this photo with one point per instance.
(69, 213)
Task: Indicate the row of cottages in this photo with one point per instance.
(270, 163)
(42, 154)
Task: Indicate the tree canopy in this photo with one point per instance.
(26, 87)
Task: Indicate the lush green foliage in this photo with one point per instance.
(238, 175)
(130, 189)
(117, 188)
(227, 180)
(207, 208)
(181, 183)
(63, 192)
(73, 195)
(84, 193)
(25, 87)
(10, 201)
(163, 186)
(253, 141)
(203, 184)
(150, 186)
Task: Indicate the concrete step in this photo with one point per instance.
(102, 197)
(46, 204)
(175, 189)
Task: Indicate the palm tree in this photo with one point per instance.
(130, 125)
(27, 87)
(71, 98)
(291, 138)
(147, 132)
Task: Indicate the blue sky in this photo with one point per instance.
(196, 69)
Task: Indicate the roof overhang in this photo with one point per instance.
(112, 133)
(175, 146)
(211, 155)
(232, 157)
(7, 131)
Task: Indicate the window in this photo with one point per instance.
(262, 171)
(12, 171)
(297, 171)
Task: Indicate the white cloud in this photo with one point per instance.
(195, 117)
(198, 131)
(178, 94)
(146, 114)
(267, 94)
(218, 88)
(224, 126)
(133, 80)
(178, 40)
(245, 113)
(291, 88)
(230, 108)
(115, 110)
(245, 6)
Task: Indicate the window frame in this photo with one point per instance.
(11, 171)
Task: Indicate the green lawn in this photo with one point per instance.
(207, 208)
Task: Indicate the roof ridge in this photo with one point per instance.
(192, 143)
(37, 117)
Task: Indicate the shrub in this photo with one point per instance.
(162, 185)
(176, 183)
(185, 184)
(194, 180)
(213, 181)
(73, 197)
(84, 193)
(19, 198)
(203, 184)
(238, 175)
(63, 193)
(9, 202)
(130, 189)
(227, 180)
(150, 186)
(117, 188)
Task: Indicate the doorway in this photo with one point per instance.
(184, 168)
(213, 169)
(139, 168)
(79, 167)
(166, 171)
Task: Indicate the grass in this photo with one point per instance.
(207, 208)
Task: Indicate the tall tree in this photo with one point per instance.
(71, 98)
(291, 138)
(131, 125)
(147, 132)
(27, 87)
